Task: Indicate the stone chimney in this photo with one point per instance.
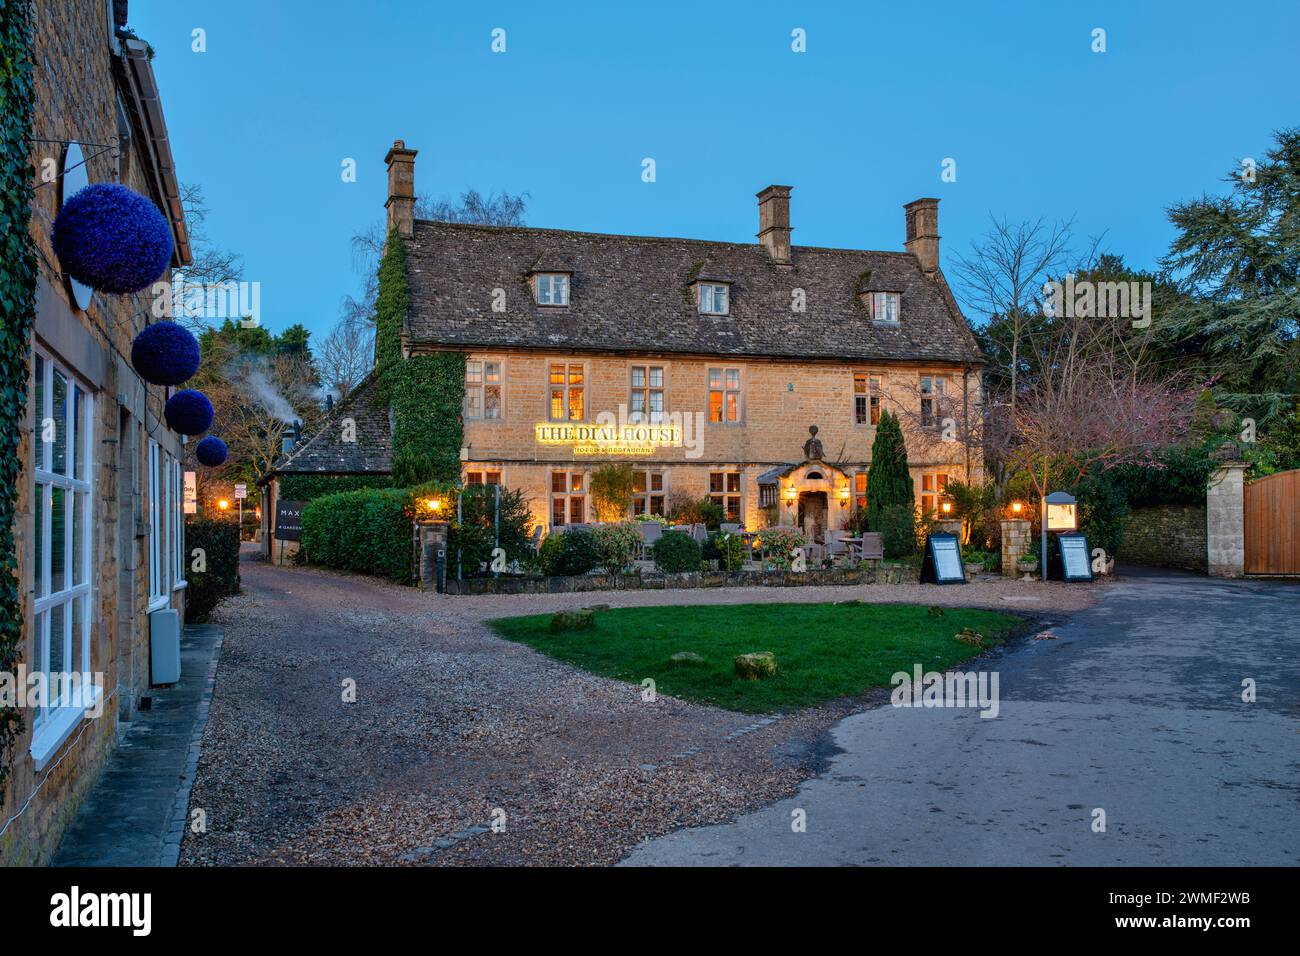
(774, 223)
(401, 189)
(923, 233)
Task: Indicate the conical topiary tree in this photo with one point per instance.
(888, 480)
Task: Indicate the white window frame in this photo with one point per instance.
(55, 720)
(477, 384)
(178, 525)
(551, 288)
(871, 395)
(647, 391)
(159, 591)
(933, 390)
(714, 298)
(886, 307)
(726, 389)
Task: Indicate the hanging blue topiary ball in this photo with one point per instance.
(165, 353)
(211, 451)
(188, 412)
(112, 239)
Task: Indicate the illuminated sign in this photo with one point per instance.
(191, 493)
(609, 439)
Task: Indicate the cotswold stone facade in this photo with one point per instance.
(88, 497)
(752, 373)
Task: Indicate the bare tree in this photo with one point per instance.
(494, 209)
(211, 266)
(1003, 277)
(346, 355)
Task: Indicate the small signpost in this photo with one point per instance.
(241, 492)
(288, 520)
(942, 564)
(191, 493)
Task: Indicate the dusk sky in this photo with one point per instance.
(859, 124)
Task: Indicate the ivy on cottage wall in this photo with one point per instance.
(17, 303)
(426, 392)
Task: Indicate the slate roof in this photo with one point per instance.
(631, 293)
(326, 453)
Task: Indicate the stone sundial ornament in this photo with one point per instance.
(812, 448)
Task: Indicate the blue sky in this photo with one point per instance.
(1039, 125)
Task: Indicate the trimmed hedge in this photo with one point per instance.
(219, 539)
(367, 531)
(308, 487)
(570, 552)
(675, 551)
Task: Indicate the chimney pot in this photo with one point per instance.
(922, 219)
(401, 189)
(774, 223)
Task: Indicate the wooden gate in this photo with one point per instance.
(1272, 516)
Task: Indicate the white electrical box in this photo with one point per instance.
(165, 646)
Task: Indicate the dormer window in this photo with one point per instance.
(715, 298)
(551, 288)
(882, 306)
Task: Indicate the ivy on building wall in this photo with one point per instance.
(17, 300)
(426, 392)
(309, 487)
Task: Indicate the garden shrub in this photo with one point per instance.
(778, 544)
(676, 551)
(611, 490)
(897, 527)
(219, 540)
(618, 545)
(731, 551)
(367, 531)
(1103, 512)
(889, 482)
(703, 511)
(478, 529)
(570, 552)
(305, 487)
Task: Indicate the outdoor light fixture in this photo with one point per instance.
(791, 493)
(1017, 506)
(433, 504)
(223, 504)
(844, 493)
(1060, 515)
(947, 507)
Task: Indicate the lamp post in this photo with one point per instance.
(1059, 514)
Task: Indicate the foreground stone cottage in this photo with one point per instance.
(99, 523)
(753, 373)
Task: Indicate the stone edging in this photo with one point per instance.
(174, 832)
(878, 574)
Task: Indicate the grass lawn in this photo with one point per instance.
(823, 651)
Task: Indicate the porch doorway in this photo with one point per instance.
(813, 509)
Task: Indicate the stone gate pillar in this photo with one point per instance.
(1016, 533)
(1225, 522)
(432, 540)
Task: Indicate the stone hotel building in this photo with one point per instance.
(703, 364)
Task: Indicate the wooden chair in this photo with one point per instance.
(650, 533)
(732, 528)
(872, 549)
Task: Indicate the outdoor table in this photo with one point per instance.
(854, 546)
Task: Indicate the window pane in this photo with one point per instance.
(715, 378)
(557, 374)
(492, 401)
(733, 407)
(492, 477)
(656, 406)
(733, 378)
(58, 655)
(638, 376)
(38, 416)
(638, 404)
(715, 481)
(733, 481)
(575, 510)
(80, 430)
(860, 409)
(559, 482)
(656, 482)
(557, 511)
(473, 373)
(42, 494)
(59, 410)
(657, 377)
(577, 481)
(492, 371)
(76, 508)
(79, 659)
(575, 404)
(575, 374)
(638, 481)
(473, 403)
(557, 403)
(715, 406)
(58, 538)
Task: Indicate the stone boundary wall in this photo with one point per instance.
(883, 574)
(1167, 536)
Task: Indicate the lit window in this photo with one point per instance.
(568, 498)
(568, 389)
(724, 489)
(552, 288)
(933, 486)
(883, 306)
(482, 390)
(482, 478)
(647, 396)
(866, 398)
(648, 492)
(724, 395)
(714, 298)
(860, 490)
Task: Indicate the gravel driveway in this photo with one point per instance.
(453, 726)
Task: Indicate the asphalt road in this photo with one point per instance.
(1134, 709)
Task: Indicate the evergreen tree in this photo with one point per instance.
(1238, 257)
(888, 480)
